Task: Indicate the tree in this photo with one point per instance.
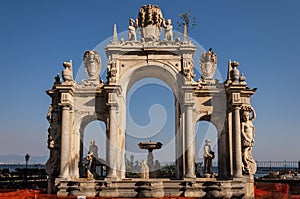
(186, 19)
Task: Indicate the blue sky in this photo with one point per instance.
(37, 36)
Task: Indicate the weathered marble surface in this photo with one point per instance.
(74, 105)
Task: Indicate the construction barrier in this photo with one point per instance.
(262, 191)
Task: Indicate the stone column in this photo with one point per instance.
(189, 143)
(112, 143)
(237, 150)
(76, 143)
(178, 140)
(65, 143)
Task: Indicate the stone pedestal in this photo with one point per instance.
(155, 188)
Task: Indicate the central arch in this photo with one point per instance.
(163, 72)
(150, 116)
(173, 79)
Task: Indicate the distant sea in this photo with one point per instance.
(19, 159)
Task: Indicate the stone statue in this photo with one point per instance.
(144, 170)
(93, 148)
(132, 30)
(92, 64)
(54, 129)
(90, 165)
(156, 168)
(208, 64)
(150, 22)
(208, 156)
(67, 73)
(247, 135)
(57, 78)
(168, 30)
(52, 166)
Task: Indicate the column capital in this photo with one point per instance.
(237, 107)
(65, 107)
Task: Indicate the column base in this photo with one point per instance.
(189, 176)
(63, 178)
(238, 176)
(111, 178)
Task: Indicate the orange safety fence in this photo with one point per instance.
(262, 191)
(277, 191)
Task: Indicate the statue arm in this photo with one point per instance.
(164, 23)
(254, 114)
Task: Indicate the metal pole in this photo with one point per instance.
(27, 156)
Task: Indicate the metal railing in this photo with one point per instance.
(12, 167)
(271, 166)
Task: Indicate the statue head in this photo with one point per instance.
(168, 22)
(131, 22)
(246, 116)
(246, 113)
(92, 142)
(207, 141)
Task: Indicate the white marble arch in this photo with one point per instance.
(166, 73)
(75, 105)
(82, 123)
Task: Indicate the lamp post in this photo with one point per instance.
(27, 156)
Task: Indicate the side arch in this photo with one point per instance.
(82, 123)
(223, 142)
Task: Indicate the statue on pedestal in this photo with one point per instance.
(92, 64)
(67, 73)
(208, 156)
(144, 170)
(156, 169)
(93, 148)
(132, 30)
(52, 166)
(247, 135)
(208, 64)
(90, 165)
(168, 30)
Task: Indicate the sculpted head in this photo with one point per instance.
(91, 56)
(246, 116)
(168, 22)
(246, 113)
(207, 141)
(92, 142)
(131, 22)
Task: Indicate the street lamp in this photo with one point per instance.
(27, 156)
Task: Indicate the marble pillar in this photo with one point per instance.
(112, 143)
(65, 143)
(178, 140)
(237, 153)
(189, 143)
